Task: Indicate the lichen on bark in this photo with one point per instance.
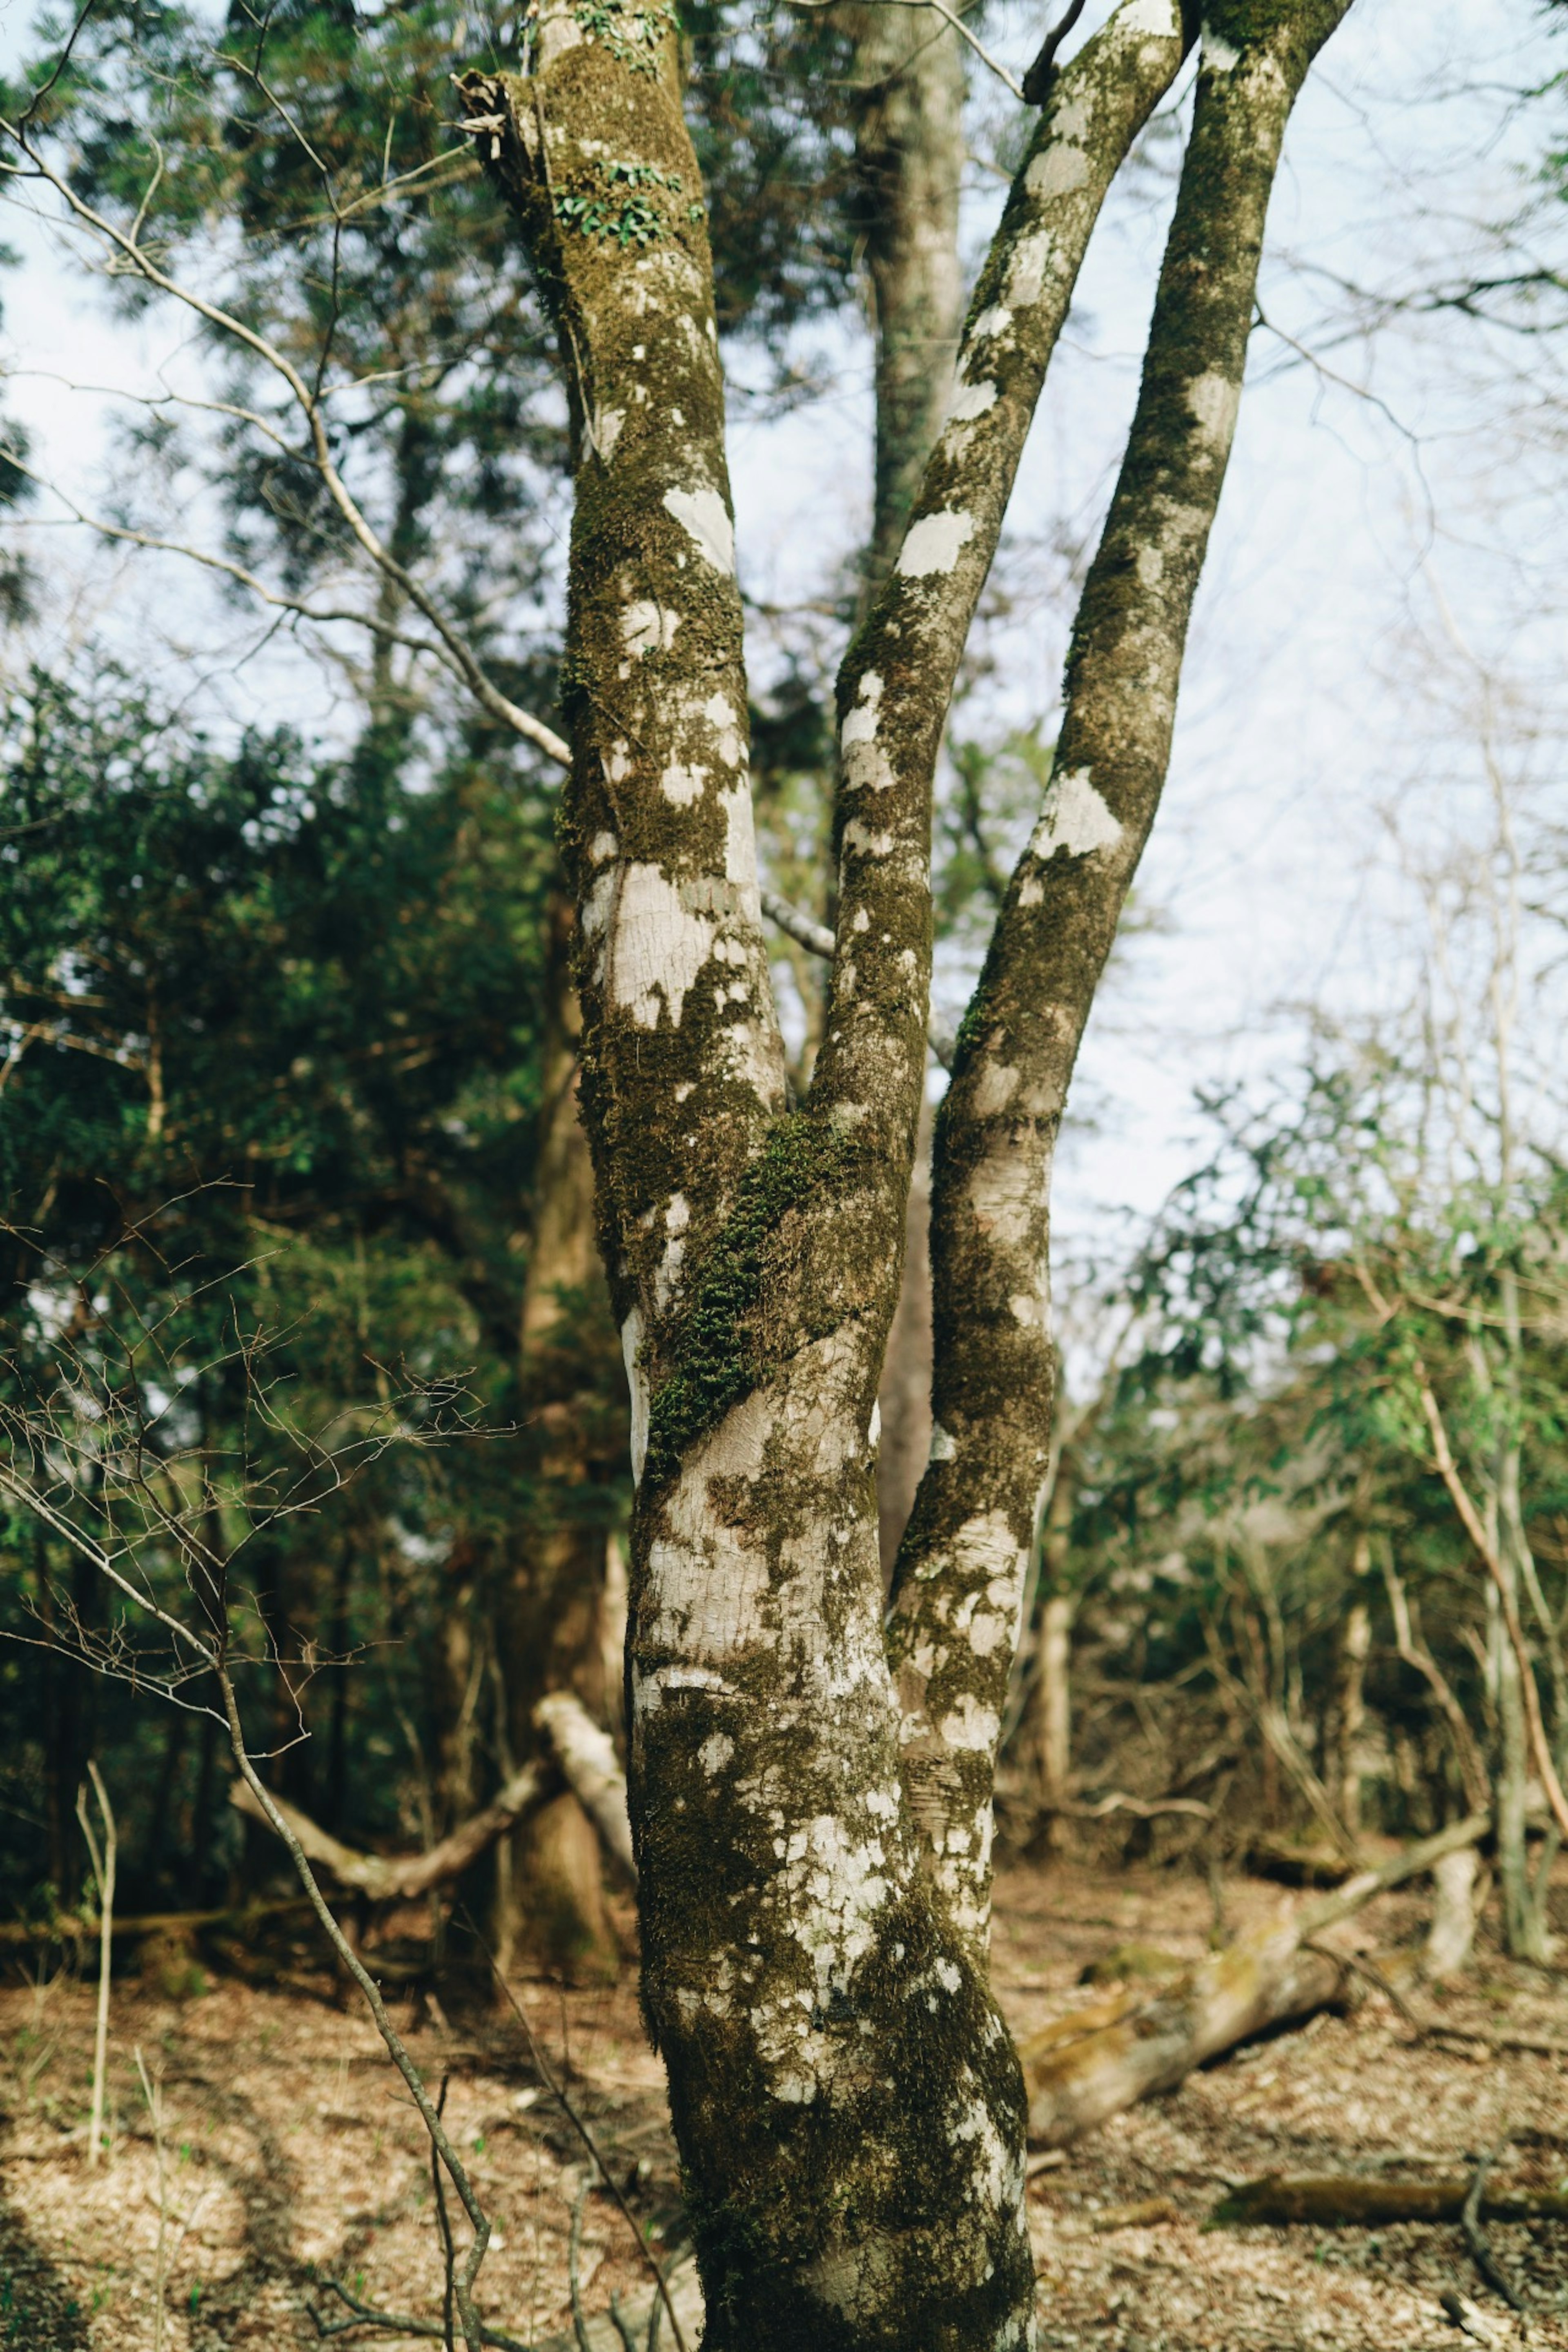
(960, 1571)
(846, 2101)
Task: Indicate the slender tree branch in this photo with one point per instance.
(1471, 1519)
(140, 263)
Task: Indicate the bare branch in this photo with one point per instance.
(140, 262)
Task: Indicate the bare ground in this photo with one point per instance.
(289, 2155)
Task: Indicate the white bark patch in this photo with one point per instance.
(861, 725)
(874, 1432)
(607, 431)
(703, 515)
(720, 713)
(596, 908)
(682, 785)
(741, 848)
(1074, 818)
(858, 836)
(934, 544)
(943, 1447)
(971, 1725)
(637, 1380)
(994, 321)
(1030, 1310)
(969, 401)
(1161, 16)
(1219, 56)
(604, 845)
(1057, 172)
(866, 764)
(997, 1084)
(1151, 568)
(659, 947)
(647, 628)
(1003, 1195)
(1213, 399)
(1027, 270)
(715, 1753)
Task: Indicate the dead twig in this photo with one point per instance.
(103, 1875)
(574, 2264)
(444, 2224)
(1359, 1966)
(547, 2076)
(392, 2323)
(1476, 2239)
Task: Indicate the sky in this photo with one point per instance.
(1382, 612)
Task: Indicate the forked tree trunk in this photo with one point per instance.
(847, 2103)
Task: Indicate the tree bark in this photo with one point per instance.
(846, 2101)
(910, 153)
(960, 1580)
(1351, 1649)
(1452, 1932)
(550, 1605)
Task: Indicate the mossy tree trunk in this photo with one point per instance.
(850, 2107)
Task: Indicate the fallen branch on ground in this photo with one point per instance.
(1083, 2068)
(1340, 2201)
(81, 1926)
(403, 1877)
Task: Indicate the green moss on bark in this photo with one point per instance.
(716, 1345)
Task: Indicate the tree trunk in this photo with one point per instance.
(1053, 1702)
(903, 1400)
(910, 154)
(1352, 1649)
(550, 1609)
(1452, 1932)
(847, 2103)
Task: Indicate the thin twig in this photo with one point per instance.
(103, 1872)
(573, 2262)
(548, 2077)
(443, 2222)
(1037, 81)
(1476, 2239)
(393, 2323)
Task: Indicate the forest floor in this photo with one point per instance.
(286, 2155)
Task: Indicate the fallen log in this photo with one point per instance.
(1338, 2201)
(84, 1926)
(393, 1878)
(1082, 2069)
(590, 1769)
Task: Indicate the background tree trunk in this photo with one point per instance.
(548, 1613)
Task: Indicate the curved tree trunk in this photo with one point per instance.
(849, 2106)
